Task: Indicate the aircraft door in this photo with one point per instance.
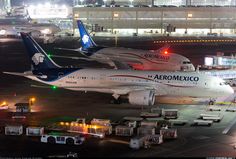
(60, 77)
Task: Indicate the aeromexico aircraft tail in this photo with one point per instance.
(43, 68)
(86, 40)
(38, 57)
(89, 47)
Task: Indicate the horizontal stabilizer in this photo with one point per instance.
(67, 49)
(16, 73)
(40, 86)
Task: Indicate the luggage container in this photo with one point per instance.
(105, 125)
(145, 130)
(178, 122)
(107, 130)
(155, 139)
(203, 122)
(124, 130)
(170, 113)
(103, 122)
(168, 133)
(160, 122)
(207, 115)
(34, 131)
(13, 130)
(213, 118)
(132, 124)
(148, 123)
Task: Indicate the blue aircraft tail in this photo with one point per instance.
(39, 59)
(86, 40)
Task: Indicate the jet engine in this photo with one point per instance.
(146, 97)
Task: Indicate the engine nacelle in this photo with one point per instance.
(142, 97)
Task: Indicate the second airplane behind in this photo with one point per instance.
(126, 58)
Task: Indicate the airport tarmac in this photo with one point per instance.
(55, 105)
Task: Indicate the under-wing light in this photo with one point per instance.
(2, 32)
(54, 87)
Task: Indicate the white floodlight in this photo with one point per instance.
(64, 6)
(3, 32)
(47, 5)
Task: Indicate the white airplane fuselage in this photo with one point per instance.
(144, 59)
(122, 82)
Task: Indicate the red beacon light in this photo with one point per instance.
(165, 52)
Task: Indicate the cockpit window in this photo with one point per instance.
(224, 83)
(186, 62)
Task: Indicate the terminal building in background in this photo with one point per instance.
(175, 17)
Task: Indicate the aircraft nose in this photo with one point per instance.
(230, 90)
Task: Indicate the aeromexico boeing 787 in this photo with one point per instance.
(123, 58)
(141, 87)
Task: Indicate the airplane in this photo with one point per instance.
(13, 26)
(126, 58)
(140, 87)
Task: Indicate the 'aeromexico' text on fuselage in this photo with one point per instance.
(177, 78)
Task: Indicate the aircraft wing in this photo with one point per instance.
(40, 86)
(118, 64)
(122, 65)
(73, 57)
(123, 89)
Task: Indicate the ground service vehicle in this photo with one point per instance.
(57, 138)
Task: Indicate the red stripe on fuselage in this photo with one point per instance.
(144, 58)
(132, 76)
(149, 80)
